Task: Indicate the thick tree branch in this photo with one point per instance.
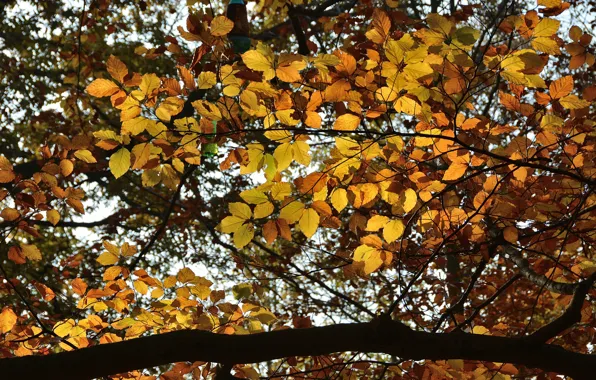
(300, 36)
(380, 336)
(571, 316)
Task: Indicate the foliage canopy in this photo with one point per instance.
(370, 189)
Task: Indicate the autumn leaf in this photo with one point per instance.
(346, 122)
(309, 222)
(456, 170)
(510, 234)
(339, 199)
(31, 252)
(102, 87)
(220, 26)
(116, 68)
(561, 87)
(6, 172)
(393, 230)
(7, 320)
(85, 156)
(53, 216)
(149, 83)
(10, 214)
(120, 162)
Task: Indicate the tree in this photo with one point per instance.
(370, 189)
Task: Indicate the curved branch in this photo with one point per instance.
(380, 336)
(571, 316)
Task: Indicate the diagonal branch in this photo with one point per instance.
(166, 218)
(571, 316)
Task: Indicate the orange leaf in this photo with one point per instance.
(102, 87)
(7, 320)
(510, 234)
(561, 87)
(78, 286)
(116, 68)
(270, 231)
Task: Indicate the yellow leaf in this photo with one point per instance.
(102, 87)
(339, 199)
(439, 23)
(135, 126)
(240, 210)
(111, 247)
(221, 25)
(288, 74)
(254, 60)
(171, 106)
(546, 27)
(244, 235)
(116, 68)
(207, 79)
(53, 216)
(280, 190)
(457, 364)
(546, 44)
(7, 320)
(107, 258)
(207, 110)
(141, 287)
(300, 151)
(149, 83)
(285, 117)
(120, 162)
(263, 210)
(185, 275)
(292, 211)
(63, 328)
(393, 230)
(283, 155)
(309, 222)
(371, 257)
(254, 196)
(31, 252)
(85, 156)
(573, 102)
(410, 200)
(346, 122)
(376, 222)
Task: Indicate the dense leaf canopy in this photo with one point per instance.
(297, 189)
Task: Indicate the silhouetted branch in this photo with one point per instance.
(379, 336)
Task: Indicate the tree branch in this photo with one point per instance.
(300, 36)
(166, 218)
(571, 316)
(380, 336)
